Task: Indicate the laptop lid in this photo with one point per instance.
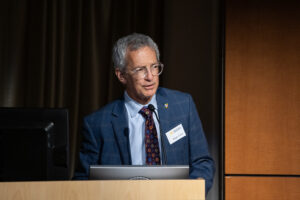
(135, 172)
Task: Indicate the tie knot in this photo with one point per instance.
(146, 112)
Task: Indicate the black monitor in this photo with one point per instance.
(34, 144)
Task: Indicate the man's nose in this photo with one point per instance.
(149, 75)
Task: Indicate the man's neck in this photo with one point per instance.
(141, 101)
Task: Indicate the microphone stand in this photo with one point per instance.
(152, 108)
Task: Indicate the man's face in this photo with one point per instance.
(139, 89)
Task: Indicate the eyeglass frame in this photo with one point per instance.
(146, 71)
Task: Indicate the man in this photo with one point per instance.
(127, 131)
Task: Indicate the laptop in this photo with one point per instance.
(138, 172)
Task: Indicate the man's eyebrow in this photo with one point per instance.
(139, 66)
(142, 66)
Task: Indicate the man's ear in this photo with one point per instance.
(120, 76)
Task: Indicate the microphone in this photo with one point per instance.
(152, 108)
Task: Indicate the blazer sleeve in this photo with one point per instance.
(89, 152)
(201, 163)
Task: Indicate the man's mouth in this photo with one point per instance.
(149, 87)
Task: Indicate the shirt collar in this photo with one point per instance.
(134, 107)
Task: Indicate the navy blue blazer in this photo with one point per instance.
(105, 136)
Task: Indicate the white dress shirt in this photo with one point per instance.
(136, 126)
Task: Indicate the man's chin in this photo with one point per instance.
(147, 97)
(149, 93)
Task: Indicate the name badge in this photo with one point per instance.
(175, 134)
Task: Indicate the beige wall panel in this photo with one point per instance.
(262, 188)
(262, 87)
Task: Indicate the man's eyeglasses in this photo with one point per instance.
(142, 72)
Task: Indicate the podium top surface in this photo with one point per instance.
(106, 189)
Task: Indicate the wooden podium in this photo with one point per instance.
(104, 190)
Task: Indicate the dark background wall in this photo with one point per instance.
(191, 52)
(58, 54)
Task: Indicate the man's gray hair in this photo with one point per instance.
(131, 42)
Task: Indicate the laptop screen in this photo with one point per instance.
(138, 172)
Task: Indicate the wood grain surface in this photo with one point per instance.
(102, 190)
(262, 87)
(262, 188)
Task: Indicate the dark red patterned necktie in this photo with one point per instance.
(151, 139)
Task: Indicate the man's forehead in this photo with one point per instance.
(142, 56)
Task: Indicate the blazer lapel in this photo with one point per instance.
(164, 116)
(120, 126)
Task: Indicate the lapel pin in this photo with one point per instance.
(166, 105)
